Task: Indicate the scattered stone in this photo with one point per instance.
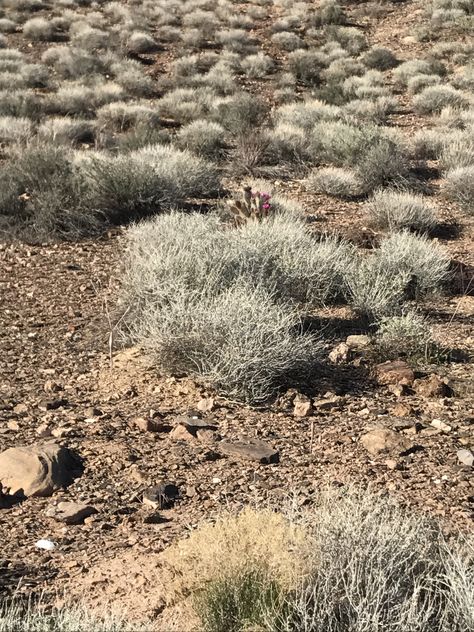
(302, 406)
(44, 430)
(329, 403)
(466, 457)
(206, 435)
(54, 404)
(13, 425)
(20, 409)
(187, 427)
(441, 425)
(395, 372)
(37, 470)
(384, 440)
(251, 449)
(205, 405)
(402, 410)
(71, 512)
(339, 354)
(398, 389)
(161, 496)
(358, 342)
(155, 424)
(50, 386)
(391, 464)
(62, 431)
(46, 545)
(432, 386)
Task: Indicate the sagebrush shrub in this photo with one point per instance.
(405, 335)
(141, 43)
(257, 66)
(38, 29)
(408, 69)
(423, 261)
(395, 210)
(434, 98)
(204, 138)
(60, 130)
(459, 187)
(336, 181)
(379, 58)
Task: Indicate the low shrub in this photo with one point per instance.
(418, 83)
(257, 66)
(409, 69)
(396, 210)
(64, 130)
(204, 138)
(406, 335)
(336, 181)
(459, 187)
(15, 130)
(424, 262)
(380, 59)
(141, 43)
(38, 29)
(434, 98)
(288, 41)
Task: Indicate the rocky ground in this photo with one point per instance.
(132, 429)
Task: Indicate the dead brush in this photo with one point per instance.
(251, 206)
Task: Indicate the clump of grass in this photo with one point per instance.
(459, 187)
(15, 130)
(337, 182)
(38, 29)
(257, 66)
(406, 335)
(358, 559)
(379, 58)
(204, 138)
(397, 210)
(409, 69)
(64, 130)
(141, 43)
(434, 98)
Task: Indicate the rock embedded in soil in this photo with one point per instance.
(384, 440)
(302, 406)
(37, 470)
(148, 424)
(465, 457)
(432, 386)
(358, 342)
(395, 372)
(71, 512)
(340, 354)
(251, 449)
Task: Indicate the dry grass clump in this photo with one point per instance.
(409, 69)
(21, 103)
(15, 130)
(288, 41)
(121, 116)
(198, 290)
(406, 335)
(204, 138)
(354, 562)
(459, 187)
(7, 25)
(38, 29)
(418, 83)
(457, 149)
(336, 182)
(397, 210)
(379, 58)
(78, 99)
(141, 43)
(434, 98)
(32, 616)
(257, 66)
(64, 130)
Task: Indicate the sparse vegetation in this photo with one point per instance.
(397, 210)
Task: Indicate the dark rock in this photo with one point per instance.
(251, 449)
(161, 496)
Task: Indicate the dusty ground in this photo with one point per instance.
(55, 370)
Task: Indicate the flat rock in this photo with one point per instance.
(71, 512)
(37, 470)
(251, 449)
(466, 457)
(358, 342)
(384, 440)
(205, 405)
(188, 426)
(395, 372)
(148, 424)
(340, 354)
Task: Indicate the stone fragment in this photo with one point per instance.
(466, 457)
(432, 386)
(441, 425)
(13, 425)
(187, 427)
(71, 512)
(339, 354)
(402, 410)
(251, 449)
(20, 409)
(37, 470)
(329, 403)
(148, 424)
(384, 440)
(161, 496)
(44, 430)
(206, 435)
(358, 342)
(302, 406)
(205, 405)
(395, 372)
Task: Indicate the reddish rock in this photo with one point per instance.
(251, 449)
(395, 372)
(384, 440)
(432, 386)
